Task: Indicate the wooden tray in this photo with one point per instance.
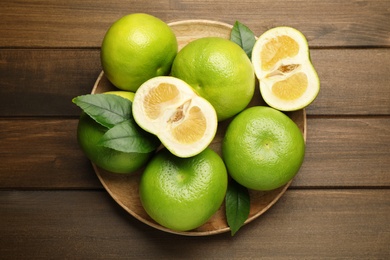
(124, 188)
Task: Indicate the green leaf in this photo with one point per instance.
(237, 206)
(244, 37)
(128, 137)
(107, 110)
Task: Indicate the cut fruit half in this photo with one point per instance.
(169, 108)
(281, 59)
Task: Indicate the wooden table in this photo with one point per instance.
(53, 206)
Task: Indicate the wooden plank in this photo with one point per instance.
(39, 153)
(363, 90)
(342, 224)
(346, 152)
(332, 23)
(83, 23)
(43, 82)
(341, 152)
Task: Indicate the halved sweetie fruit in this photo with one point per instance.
(281, 59)
(169, 108)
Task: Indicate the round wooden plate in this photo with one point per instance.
(124, 188)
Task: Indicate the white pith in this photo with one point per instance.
(302, 59)
(162, 125)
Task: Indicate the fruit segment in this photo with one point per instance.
(278, 48)
(158, 97)
(292, 87)
(191, 128)
(288, 80)
(169, 108)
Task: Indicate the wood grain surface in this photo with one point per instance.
(62, 74)
(74, 23)
(304, 224)
(53, 206)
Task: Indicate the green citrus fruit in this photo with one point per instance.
(218, 70)
(288, 80)
(89, 133)
(183, 193)
(263, 148)
(135, 48)
(125, 94)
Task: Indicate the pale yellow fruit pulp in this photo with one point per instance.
(288, 80)
(169, 108)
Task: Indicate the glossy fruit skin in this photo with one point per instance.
(89, 133)
(218, 70)
(136, 48)
(263, 148)
(183, 193)
(125, 94)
